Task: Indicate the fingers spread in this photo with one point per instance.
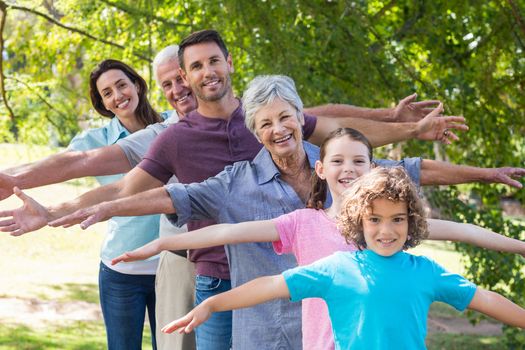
(63, 221)
(7, 222)
(408, 99)
(10, 228)
(425, 104)
(18, 232)
(6, 213)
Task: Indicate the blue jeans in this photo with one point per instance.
(216, 333)
(124, 299)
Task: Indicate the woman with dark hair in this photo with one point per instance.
(119, 93)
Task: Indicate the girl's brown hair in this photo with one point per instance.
(144, 112)
(389, 183)
(319, 188)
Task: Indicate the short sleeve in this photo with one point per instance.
(309, 126)
(286, 226)
(89, 139)
(452, 288)
(411, 165)
(136, 145)
(159, 159)
(311, 281)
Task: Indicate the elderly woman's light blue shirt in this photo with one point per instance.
(247, 191)
(124, 233)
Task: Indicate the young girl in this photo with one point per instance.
(377, 297)
(311, 234)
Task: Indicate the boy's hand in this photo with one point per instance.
(193, 319)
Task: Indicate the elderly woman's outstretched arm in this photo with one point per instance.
(155, 201)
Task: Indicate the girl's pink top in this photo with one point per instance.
(310, 235)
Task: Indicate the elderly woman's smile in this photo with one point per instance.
(279, 129)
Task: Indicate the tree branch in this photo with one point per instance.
(517, 15)
(137, 12)
(72, 29)
(3, 15)
(43, 100)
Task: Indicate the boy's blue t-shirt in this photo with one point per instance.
(378, 302)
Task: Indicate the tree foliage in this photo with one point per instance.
(371, 53)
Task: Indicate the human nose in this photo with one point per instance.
(386, 228)
(208, 69)
(278, 127)
(118, 94)
(348, 168)
(177, 88)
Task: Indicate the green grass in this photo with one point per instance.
(447, 341)
(72, 335)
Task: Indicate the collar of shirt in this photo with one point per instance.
(266, 168)
(116, 131)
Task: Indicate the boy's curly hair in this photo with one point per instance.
(388, 183)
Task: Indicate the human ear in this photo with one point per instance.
(319, 170)
(229, 61)
(182, 73)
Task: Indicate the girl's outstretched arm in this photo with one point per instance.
(498, 307)
(210, 236)
(257, 291)
(442, 230)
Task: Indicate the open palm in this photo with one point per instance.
(29, 217)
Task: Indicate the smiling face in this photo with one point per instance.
(119, 94)
(179, 96)
(344, 161)
(385, 226)
(278, 128)
(207, 71)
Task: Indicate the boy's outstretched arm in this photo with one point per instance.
(498, 307)
(210, 236)
(257, 291)
(443, 230)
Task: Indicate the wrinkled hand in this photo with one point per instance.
(193, 319)
(506, 176)
(29, 217)
(85, 217)
(141, 253)
(436, 127)
(7, 183)
(407, 110)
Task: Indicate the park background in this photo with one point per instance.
(469, 54)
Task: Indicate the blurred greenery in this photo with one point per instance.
(470, 54)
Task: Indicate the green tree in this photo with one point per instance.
(470, 54)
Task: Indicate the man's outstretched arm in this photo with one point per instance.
(407, 110)
(434, 127)
(32, 215)
(64, 166)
